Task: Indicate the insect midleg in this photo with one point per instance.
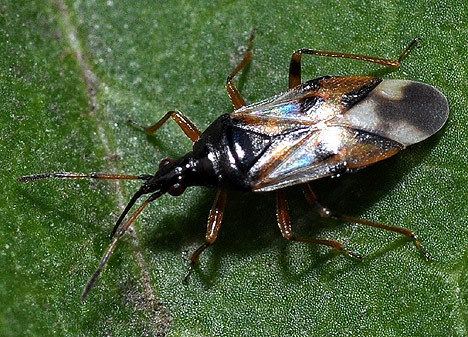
(234, 94)
(325, 213)
(187, 126)
(215, 219)
(295, 64)
(284, 223)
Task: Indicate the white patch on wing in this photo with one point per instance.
(239, 150)
(387, 112)
(392, 90)
(332, 139)
(306, 162)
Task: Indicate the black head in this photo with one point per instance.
(173, 177)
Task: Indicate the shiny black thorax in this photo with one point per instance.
(225, 153)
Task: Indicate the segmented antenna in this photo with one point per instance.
(93, 175)
(119, 232)
(119, 228)
(102, 264)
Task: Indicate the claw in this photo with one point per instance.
(135, 125)
(355, 255)
(421, 249)
(189, 272)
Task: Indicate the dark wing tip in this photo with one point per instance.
(429, 105)
(401, 110)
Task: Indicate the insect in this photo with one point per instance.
(318, 128)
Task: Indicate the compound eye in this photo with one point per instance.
(176, 189)
(165, 162)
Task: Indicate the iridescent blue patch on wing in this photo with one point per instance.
(299, 160)
(289, 110)
(310, 152)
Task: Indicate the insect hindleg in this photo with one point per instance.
(184, 123)
(234, 94)
(295, 65)
(215, 219)
(284, 223)
(324, 212)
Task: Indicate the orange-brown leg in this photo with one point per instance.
(295, 65)
(215, 219)
(326, 213)
(284, 223)
(236, 98)
(184, 123)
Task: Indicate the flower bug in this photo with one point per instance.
(318, 128)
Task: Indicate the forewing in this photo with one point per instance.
(307, 105)
(404, 111)
(320, 153)
(332, 124)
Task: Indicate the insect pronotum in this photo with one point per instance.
(318, 128)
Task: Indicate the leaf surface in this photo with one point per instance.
(72, 73)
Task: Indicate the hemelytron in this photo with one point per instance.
(318, 128)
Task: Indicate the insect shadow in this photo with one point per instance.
(353, 194)
(251, 227)
(255, 232)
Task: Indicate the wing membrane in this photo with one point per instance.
(332, 124)
(308, 104)
(322, 153)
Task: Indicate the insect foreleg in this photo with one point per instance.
(190, 130)
(215, 219)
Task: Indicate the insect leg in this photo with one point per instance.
(295, 65)
(326, 213)
(215, 219)
(234, 94)
(284, 223)
(184, 123)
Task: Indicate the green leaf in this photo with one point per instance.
(72, 73)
